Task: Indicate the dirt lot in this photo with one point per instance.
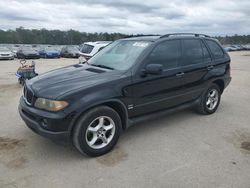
(182, 150)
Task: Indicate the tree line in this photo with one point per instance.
(72, 37)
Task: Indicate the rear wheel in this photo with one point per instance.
(97, 131)
(209, 100)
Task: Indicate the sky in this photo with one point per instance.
(214, 17)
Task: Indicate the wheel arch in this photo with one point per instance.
(220, 83)
(115, 104)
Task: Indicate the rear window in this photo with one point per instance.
(206, 55)
(87, 49)
(215, 49)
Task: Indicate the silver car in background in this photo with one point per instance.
(6, 53)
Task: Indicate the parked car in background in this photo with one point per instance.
(6, 53)
(49, 52)
(230, 49)
(89, 49)
(27, 53)
(14, 50)
(238, 47)
(70, 51)
(246, 47)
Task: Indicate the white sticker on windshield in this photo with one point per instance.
(141, 44)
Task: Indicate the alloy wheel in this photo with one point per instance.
(100, 132)
(212, 99)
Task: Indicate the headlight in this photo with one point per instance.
(50, 105)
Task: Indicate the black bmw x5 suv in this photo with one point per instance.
(130, 80)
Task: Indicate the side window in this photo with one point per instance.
(166, 53)
(192, 52)
(206, 55)
(215, 49)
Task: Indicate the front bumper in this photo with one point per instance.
(32, 56)
(52, 55)
(34, 119)
(6, 57)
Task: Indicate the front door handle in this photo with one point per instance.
(180, 74)
(210, 67)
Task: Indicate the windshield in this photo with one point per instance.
(28, 49)
(73, 49)
(120, 55)
(87, 48)
(4, 49)
(51, 49)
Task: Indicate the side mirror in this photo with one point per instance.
(153, 69)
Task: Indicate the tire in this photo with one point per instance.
(205, 107)
(88, 136)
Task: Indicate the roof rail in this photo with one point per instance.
(194, 34)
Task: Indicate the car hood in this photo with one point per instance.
(52, 52)
(63, 81)
(31, 52)
(5, 52)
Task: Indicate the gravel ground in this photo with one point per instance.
(184, 149)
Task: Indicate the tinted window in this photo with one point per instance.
(206, 55)
(215, 49)
(166, 53)
(192, 52)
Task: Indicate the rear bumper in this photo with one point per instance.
(35, 123)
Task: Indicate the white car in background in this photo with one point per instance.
(89, 49)
(6, 53)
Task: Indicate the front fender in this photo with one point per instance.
(93, 99)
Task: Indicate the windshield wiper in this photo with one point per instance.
(103, 66)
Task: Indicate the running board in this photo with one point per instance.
(159, 114)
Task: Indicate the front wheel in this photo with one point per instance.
(209, 100)
(97, 131)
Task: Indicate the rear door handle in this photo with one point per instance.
(210, 67)
(180, 74)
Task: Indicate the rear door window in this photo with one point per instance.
(215, 49)
(192, 52)
(206, 54)
(166, 53)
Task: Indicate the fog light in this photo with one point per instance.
(44, 123)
